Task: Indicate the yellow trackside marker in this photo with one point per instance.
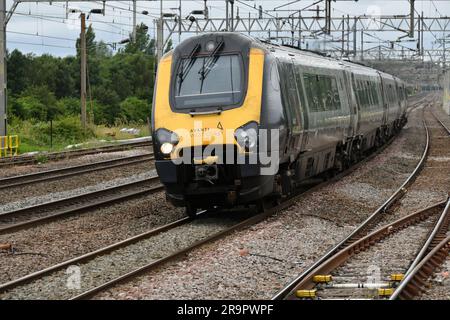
(306, 293)
(397, 277)
(385, 292)
(322, 278)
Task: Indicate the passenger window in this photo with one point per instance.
(322, 92)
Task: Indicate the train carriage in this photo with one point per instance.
(236, 120)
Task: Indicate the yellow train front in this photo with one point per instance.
(207, 120)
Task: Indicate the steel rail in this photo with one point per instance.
(441, 123)
(54, 174)
(78, 204)
(30, 159)
(250, 221)
(88, 256)
(410, 284)
(246, 223)
(362, 228)
(414, 282)
(364, 243)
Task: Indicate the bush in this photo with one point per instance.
(35, 135)
(69, 106)
(135, 110)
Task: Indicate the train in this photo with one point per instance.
(237, 120)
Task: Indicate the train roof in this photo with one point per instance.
(308, 58)
(321, 60)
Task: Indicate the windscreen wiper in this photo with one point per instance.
(211, 61)
(192, 58)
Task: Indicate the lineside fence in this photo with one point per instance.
(9, 146)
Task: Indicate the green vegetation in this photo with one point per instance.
(47, 88)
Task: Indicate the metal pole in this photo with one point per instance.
(418, 35)
(299, 29)
(342, 36)
(362, 45)
(227, 27)
(179, 22)
(421, 37)
(160, 34)
(83, 70)
(232, 14)
(355, 21)
(348, 36)
(3, 99)
(328, 16)
(134, 21)
(411, 19)
(205, 9)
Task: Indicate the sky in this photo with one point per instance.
(40, 28)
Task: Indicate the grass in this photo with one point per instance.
(113, 133)
(35, 136)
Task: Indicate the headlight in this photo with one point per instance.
(247, 136)
(167, 148)
(167, 140)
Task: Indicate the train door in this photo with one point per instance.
(349, 79)
(291, 103)
(303, 107)
(384, 99)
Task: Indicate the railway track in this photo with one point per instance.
(433, 254)
(49, 175)
(42, 213)
(14, 288)
(32, 159)
(55, 277)
(340, 276)
(304, 284)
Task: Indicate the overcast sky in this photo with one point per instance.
(44, 28)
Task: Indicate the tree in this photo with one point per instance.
(18, 71)
(102, 50)
(91, 45)
(169, 46)
(121, 84)
(142, 42)
(135, 109)
(106, 107)
(40, 103)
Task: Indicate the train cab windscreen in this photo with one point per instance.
(211, 81)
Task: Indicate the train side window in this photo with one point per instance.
(335, 93)
(312, 92)
(369, 93)
(274, 79)
(375, 93)
(362, 90)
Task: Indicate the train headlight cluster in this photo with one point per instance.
(247, 136)
(167, 140)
